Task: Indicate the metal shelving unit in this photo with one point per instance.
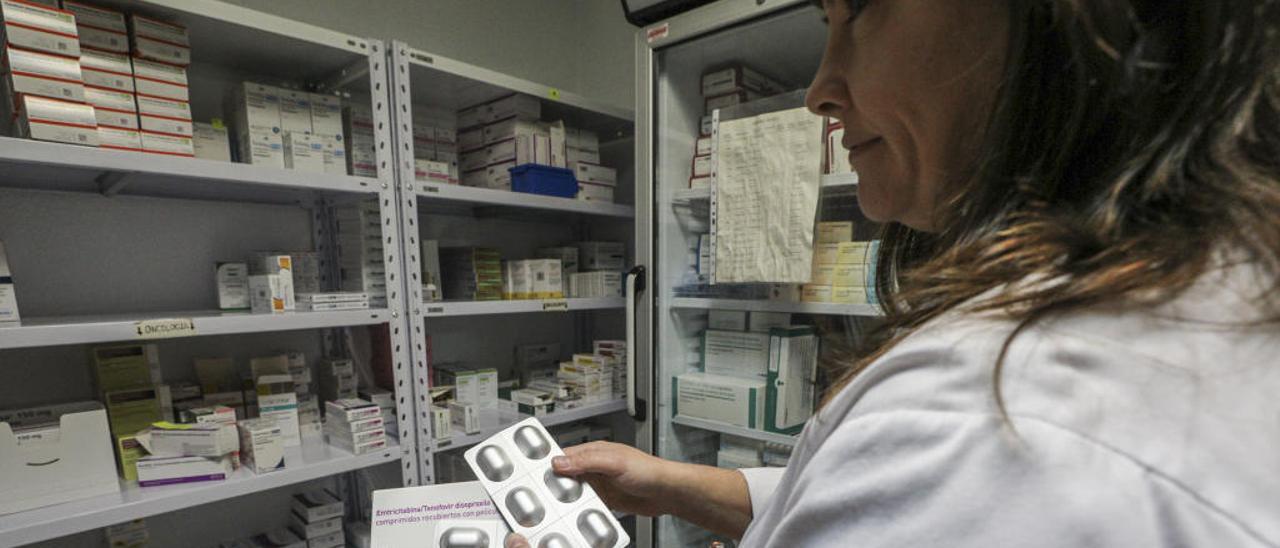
(481, 308)
(724, 428)
(313, 460)
(827, 309)
(551, 419)
(423, 78)
(230, 44)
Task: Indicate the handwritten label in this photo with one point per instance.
(558, 305)
(165, 328)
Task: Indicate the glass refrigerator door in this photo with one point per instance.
(723, 56)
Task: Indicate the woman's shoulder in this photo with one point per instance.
(1185, 390)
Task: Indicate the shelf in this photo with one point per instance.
(715, 426)
(480, 308)
(447, 83)
(56, 166)
(313, 460)
(53, 331)
(828, 309)
(480, 197)
(559, 417)
(838, 184)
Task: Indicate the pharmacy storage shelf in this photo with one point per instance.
(55, 166)
(481, 308)
(828, 309)
(723, 428)
(551, 419)
(313, 460)
(479, 197)
(34, 332)
(832, 185)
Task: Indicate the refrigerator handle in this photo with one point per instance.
(635, 285)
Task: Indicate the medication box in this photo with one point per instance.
(68, 458)
(266, 293)
(156, 471)
(735, 353)
(160, 41)
(317, 505)
(211, 142)
(483, 529)
(208, 439)
(32, 26)
(261, 445)
(55, 120)
(731, 400)
(152, 79)
(233, 286)
(100, 29)
(45, 75)
(303, 152)
(119, 139)
(351, 410)
(8, 296)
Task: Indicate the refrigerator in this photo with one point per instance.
(679, 321)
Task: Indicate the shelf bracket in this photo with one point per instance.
(112, 182)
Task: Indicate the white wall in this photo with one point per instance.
(583, 46)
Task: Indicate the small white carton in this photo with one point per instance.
(594, 173)
(113, 109)
(211, 142)
(160, 41)
(99, 29)
(35, 73)
(304, 152)
(326, 116)
(209, 439)
(107, 70)
(261, 445)
(156, 471)
(266, 294)
(730, 400)
(168, 144)
(159, 115)
(56, 120)
(33, 26)
(295, 111)
(256, 108)
(262, 148)
(317, 505)
(162, 80)
(278, 402)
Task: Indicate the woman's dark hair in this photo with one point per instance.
(1131, 143)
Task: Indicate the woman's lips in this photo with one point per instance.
(862, 148)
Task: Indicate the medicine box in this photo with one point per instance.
(793, 367)
(99, 28)
(326, 116)
(156, 471)
(834, 232)
(303, 152)
(209, 439)
(211, 142)
(282, 538)
(75, 463)
(266, 294)
(590, 192)
(165, 81)
(593, 256)
(277, 401)
(594, 173)
(107, 70)
(351, 410)
(8, 295)
(730, 400)
(233, 285)
(55, 120)
(159, 41)
(295, 111)
(739, 77)
(256, 109)
(32, 26)
(317, 505)
(735, 353)
(471, 386)
(279, 265)
(167, 144)
(119, 139)
(217, 414)
(34, 73)
(126, 366)
(261, 445)
(113, 108)
(262, 148)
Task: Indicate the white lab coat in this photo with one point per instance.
(1133, 428)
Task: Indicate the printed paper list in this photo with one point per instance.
(768, 172)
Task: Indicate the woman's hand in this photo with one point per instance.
(627, 479)
(517, 541)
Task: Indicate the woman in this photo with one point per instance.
(1082, 201)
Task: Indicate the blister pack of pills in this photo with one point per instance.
(551, 511)
(470, 534)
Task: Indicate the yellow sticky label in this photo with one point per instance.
(553, 93)
(217, 123)
(166, 425)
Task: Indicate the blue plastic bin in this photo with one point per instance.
(545, 180)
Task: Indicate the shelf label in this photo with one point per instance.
(659, 32)
(559, 305)
(434, 310)
(165, 328)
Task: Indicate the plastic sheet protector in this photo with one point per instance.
(768, 174)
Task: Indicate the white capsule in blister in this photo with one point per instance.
(525, 507)
(564, 489)
(555, 540)
(464, 537)
(494, 463)
(532, 442)
(597, 529)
